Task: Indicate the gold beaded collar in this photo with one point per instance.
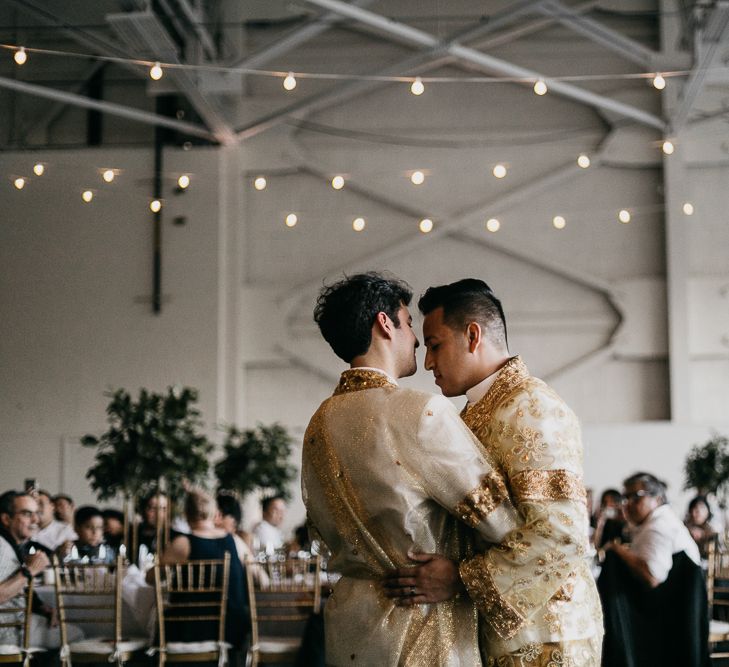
(512, 374)
(357, 379)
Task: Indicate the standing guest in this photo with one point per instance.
(113, 527)
(698, 522)
(267, 533)
(52, 533)
(18, 520)
(206, 541)
(64, 508)
(609, 520)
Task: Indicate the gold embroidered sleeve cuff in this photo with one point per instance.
(482, 500)
(547, 485)
(494, 608)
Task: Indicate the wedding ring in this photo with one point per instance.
(412, 591)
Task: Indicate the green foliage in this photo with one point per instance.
(707, 467)
(256, 459)
(155, 437)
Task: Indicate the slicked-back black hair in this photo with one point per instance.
(467, 300)
(346, 310)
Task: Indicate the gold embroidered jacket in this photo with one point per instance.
(536, 588)
(383, 470)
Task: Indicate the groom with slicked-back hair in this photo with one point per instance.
(384, 471)
(538, 601)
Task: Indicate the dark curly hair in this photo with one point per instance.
(467, 300)
(346, 310)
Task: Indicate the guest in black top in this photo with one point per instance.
(208, 542)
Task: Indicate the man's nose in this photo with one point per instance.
(428, 361)
(417, 343)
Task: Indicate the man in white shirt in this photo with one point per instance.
(51, 532)
(267, 532)
(658, 532)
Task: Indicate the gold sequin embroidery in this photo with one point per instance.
(511, 375)
(482, 500)
(357, 379)
(547, 485)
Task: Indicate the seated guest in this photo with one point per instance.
(113, 528)
(89, 525)
(609, 520)
(267, 535)
(52, 533)
(698, 521)
(653, 592)
(18, 520)
(228, 518)
(153, 509)
(206, 541)
(64, 508)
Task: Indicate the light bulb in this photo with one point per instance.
(493, 225)
(155, 206)
(559, 222)
(289, 83)
(583, 161)
(659, 83)
(417, 177)
(499, 171)
(19, 183)
(20, 56)
(668, 147)
(624, 216)
(338, 182)
(417, 87)
(155, 72)
(540, 88)
(688, 208)
(291, 220)
(358, 224)
(260, 183)
(87, 196)
(426, 225)
(39, 169)
(183, 181)
(108, 175)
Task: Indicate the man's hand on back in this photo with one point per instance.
(434, 579)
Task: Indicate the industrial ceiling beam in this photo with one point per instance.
(404, 33)
(599, 33)
(111, 108)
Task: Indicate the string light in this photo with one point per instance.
(260, 183)
(426, 225)
(624, 216)
(87, 196)
(291, 220)
(417, 87)
(183, 182)
(289, 83)
(155, 206)
(19, 183)
(499, 171)
(540, 87)
(155, 72)
(659, 83)
(20, 56)
(493, 225)
(417, 177)
(583, 161)
(668, 147)
(39, 169)
(559, 222)
(688, 208)
(338, 182)
(358, 224)
(108, 175)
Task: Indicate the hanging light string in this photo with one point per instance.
(290, 76)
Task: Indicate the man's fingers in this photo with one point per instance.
(400, 582)
(421, 558)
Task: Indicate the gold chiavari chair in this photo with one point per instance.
(281, 603)
(717, 589)
(18, 619)
(193, 592)
(90, 595)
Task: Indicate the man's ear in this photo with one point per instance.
(474, 336)
(384, 324)
(5, 519)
